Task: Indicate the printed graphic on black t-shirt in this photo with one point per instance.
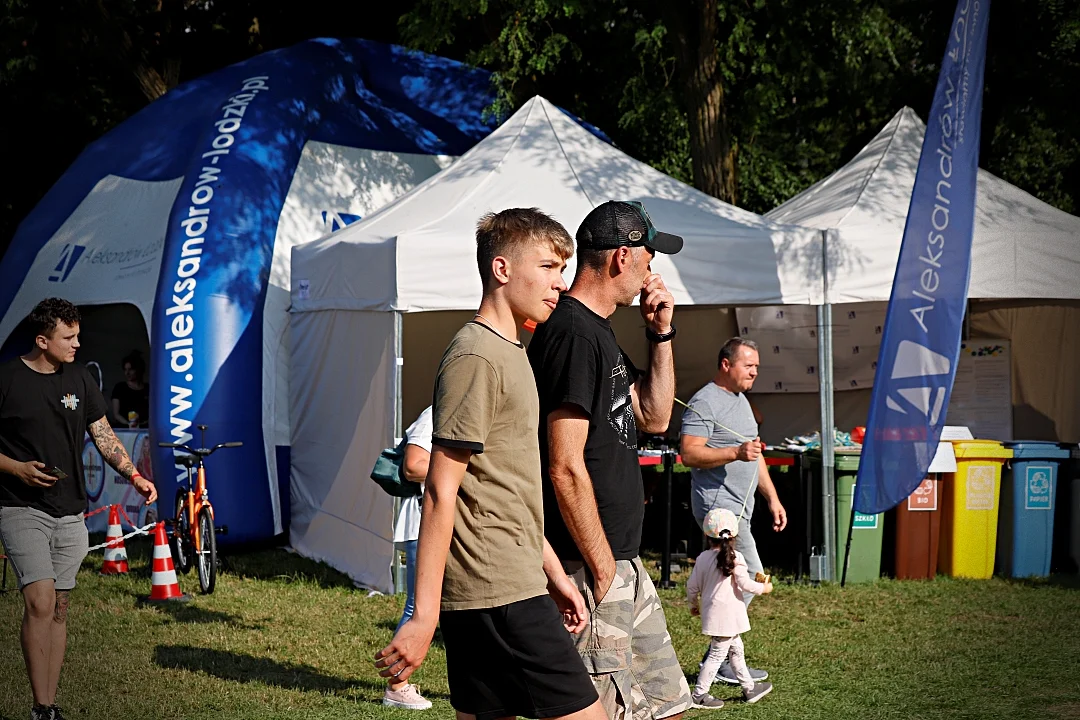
(621, 414)
(45, 417)
(577, 361)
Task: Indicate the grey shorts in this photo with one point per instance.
(42, 547)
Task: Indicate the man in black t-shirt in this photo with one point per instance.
(131, 396)
(47, 405)
(592, 403)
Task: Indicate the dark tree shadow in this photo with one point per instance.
(283, 566)
(186, 612)
(240, 667)
(254, 561)
(1057, 580)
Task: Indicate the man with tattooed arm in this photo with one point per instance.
(47, 403)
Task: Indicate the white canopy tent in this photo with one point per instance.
(1022, 247)
(1025, 265)
(351, 290)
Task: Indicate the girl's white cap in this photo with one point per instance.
(720, 523)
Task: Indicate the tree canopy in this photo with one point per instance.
(750, 101)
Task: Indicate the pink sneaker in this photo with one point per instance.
(407, 697)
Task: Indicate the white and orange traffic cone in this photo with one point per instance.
(163, 584)
(115, 552)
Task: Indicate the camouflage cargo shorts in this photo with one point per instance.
(626, 647)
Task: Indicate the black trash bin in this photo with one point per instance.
(789, 550)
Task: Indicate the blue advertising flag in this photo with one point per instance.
(921, 342)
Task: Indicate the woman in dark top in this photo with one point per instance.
(131, 398)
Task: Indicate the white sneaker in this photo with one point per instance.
(407, 697)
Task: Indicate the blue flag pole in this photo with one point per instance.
(921, 341)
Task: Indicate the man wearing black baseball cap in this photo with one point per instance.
(616, 223)
(592, 403)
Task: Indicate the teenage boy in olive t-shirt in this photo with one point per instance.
(482, 558)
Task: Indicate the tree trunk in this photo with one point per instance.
(712, 156)
(151, 83)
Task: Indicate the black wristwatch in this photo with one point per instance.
(657, 337)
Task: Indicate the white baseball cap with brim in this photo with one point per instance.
(720, 523)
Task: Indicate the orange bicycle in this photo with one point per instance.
(194, 536)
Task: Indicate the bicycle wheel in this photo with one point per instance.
(206, 558)
(180, 539)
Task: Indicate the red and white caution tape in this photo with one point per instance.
(145, 530)
(101, 509)
(125, 515)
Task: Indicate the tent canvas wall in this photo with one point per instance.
(188, 211)
(358, 299)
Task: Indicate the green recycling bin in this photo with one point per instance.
(864, 563)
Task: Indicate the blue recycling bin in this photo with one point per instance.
(1026, 520)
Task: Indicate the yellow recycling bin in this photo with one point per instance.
(970, 509)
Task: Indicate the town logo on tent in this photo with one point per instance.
(334, 221)
(916, 361)
(68, 257)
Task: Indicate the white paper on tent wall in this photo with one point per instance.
(981, 396)
(787, 338)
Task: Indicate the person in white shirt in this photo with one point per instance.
(406, 531)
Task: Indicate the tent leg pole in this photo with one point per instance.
(828, 478)
(398, 565)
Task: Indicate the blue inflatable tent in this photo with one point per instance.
(180, 222)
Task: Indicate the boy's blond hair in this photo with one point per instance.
(508, 232)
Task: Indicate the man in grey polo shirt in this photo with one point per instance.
(721, 446)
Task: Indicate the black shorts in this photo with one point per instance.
(514, 659)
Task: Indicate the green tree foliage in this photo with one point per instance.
(804, 84)
(73, 69)
(1031, 131)
(751, 101)
(788, 83)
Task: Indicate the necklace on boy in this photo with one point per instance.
(492, 326)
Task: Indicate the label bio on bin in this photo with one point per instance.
(925, 496)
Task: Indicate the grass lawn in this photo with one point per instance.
(284, 637)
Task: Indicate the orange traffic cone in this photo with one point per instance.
(163, 585)
(115, 552)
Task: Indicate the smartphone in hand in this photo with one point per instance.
(56, 473)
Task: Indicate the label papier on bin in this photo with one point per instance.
(1039, 496)
(925, 496)
(980, 487)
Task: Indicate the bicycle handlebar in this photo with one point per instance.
(200, 452)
